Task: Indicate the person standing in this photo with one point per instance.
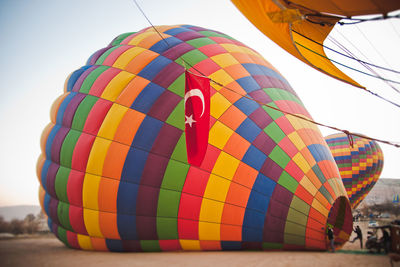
(331, 238)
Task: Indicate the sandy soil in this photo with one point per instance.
(48, 251)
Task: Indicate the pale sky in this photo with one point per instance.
(43, 41)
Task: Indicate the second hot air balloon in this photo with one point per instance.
(360, 164)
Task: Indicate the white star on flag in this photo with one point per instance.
(189, 120)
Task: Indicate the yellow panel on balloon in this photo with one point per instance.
(91, 219)
(219, 135)
(217, 188)
(219, 104)
(211, 210)
(140, 37)
(97, 156)
(112, 121)
(296, 140)
(319, 207)
(222, 77)
(209, 231)
(84, 242)
(116, 85)
(126, 57)
(309, 186)
(226, 166)
(190, 244)
(224, 60)
(90, 191)
(301, 162)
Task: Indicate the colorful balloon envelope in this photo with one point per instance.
(114, 169)
(360, 164)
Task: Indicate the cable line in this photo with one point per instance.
(302, 117)
(351, 57)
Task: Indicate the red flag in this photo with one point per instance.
(197, 117)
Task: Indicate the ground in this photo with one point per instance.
(48, 251)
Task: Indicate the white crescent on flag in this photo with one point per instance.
(196, 92)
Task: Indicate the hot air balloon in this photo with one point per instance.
(360, 164)
(301, 27)
(114, 168)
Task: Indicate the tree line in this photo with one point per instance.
(29, 225)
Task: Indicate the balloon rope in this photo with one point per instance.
(341, 64)
(378, 77)
(348, 133)
(342, 54)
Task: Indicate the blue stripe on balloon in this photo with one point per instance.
(50, 140)
(63, 107)
(127, 226)
(248, 84)
(257, 207)
(247, 106)
(176, 31)
(165, 44)
(147, 133)
(74, 77)
(248, 130)
(231, 245)
(256, 69)
(320, 152)
(254, 157)
(43, 174)
(145, 100)
(154, 67)
(115, 245)
(134, 165)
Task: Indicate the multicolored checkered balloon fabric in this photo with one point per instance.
(360, 166)
(114, 173)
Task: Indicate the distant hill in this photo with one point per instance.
(18, 212)
(383, 191)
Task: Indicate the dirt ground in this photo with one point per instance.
(48, 251)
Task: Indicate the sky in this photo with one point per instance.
(43, 41)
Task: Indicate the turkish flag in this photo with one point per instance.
(197, 117)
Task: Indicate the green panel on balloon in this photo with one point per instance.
(91, 78)
(298, 217)
(295, 239)
(63, 215)
(192, 57)
(279, 156)
(175, 174)
(106, 54)
(288, 182)
(275, 114)
(199, 42)
(68, 146)
(61, 183)
(62, 235)
(300, 205)
(120, 38)
(82, 112)
(167, 228)
(168, 203)
(274, 132)
(178, 87)
(179, 153)
(174, 120)
(272, 246)
(150, 245)
(214, 34)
